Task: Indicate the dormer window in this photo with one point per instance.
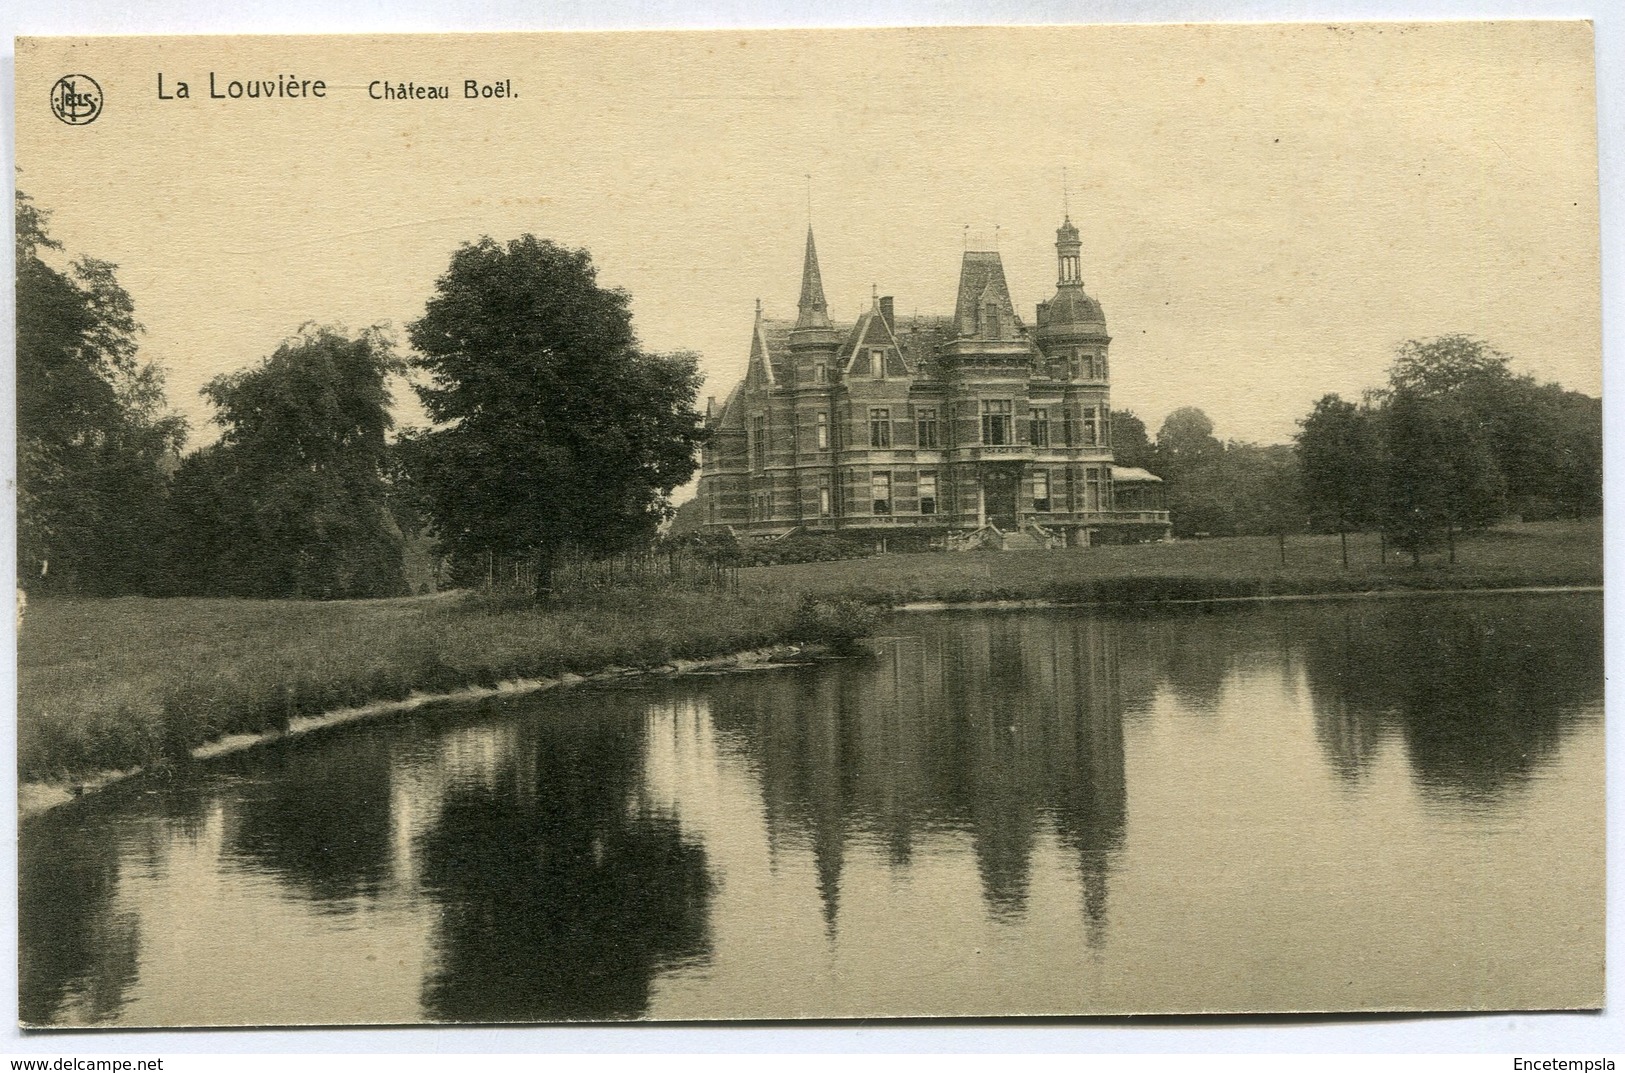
(877, 362)
(990, 320)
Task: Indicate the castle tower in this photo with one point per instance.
(1071, 317)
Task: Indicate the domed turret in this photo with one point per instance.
(1071, 312)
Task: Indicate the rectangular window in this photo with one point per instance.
(823, 430)
(996, 422)
(877, 361)
(1040, 427)
(880, 492)
(758, 441)
(880, 427)
(926, 420)
(1066, 427)
(820, 373)
(1071, 489)
(1041, 491)
(823, 501)
(991, 324)
(1091, 488)
(928, 492)
(1091, 428)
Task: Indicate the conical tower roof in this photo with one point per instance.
(814, 310)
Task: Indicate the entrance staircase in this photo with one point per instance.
(1031, 538)
(1022, 540)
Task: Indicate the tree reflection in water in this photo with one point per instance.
(317, 819)
(560, 893)
(78, 952)
(1481, 691)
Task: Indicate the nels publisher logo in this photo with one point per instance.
(76, 100)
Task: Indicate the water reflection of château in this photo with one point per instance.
(1001, 729)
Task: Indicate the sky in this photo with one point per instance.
(1266, 211)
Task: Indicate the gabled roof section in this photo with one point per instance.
(731, 418)
(871, 332)
(981, 282)
(759, 371)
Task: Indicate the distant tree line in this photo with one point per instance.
(554, 432)
(1454, 442)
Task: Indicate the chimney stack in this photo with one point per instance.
(886, 312)
(710, 407)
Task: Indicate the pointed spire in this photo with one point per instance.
(814, 311)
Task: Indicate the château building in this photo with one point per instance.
(964, 430)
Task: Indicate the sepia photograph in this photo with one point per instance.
(808, 525)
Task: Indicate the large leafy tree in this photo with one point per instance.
(1131, 444)
(1188, 457)
(1185, 441)
(553, 428)
(1263, 486)
(1441, 476)
(293, 501)
(1341, 466)
(1546, 442)
(94, 437)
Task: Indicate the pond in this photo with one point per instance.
(1390, 804)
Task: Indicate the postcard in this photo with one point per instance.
(869, 523)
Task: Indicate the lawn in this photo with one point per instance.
(114, 684)
(1538, 553)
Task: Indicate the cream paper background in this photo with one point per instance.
(1266, 211)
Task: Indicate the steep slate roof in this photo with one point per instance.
(921, 337)
(731, 417)
(981, 278)
(776, 334)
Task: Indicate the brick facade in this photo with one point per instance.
(926, 427)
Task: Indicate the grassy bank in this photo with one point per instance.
(1541, 553)
(112, 684)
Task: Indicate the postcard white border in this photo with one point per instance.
(1528, 1034)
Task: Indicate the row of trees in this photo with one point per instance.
(552, 429)
(1455, 441)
